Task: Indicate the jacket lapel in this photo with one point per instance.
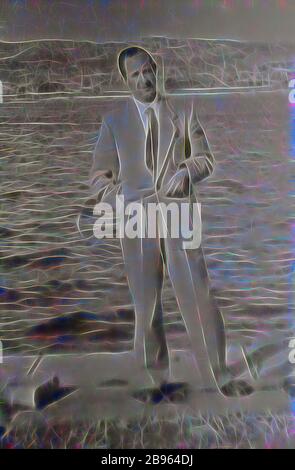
(138, 136)
(168, 121)
(134, 121)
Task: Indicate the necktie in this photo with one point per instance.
(152, 142)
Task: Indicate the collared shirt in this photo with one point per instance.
(142, 107)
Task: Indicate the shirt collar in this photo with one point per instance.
(142, 107)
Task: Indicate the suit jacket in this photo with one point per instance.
(119, 165)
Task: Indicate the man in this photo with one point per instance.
(154, 149)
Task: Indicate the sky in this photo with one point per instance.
(125, 20)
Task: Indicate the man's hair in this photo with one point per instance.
(130, 52)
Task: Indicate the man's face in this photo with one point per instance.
(141, 77)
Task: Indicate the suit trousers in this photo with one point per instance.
(146, 260)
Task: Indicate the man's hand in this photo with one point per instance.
(178, 185)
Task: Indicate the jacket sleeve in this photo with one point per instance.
(103, 177)
(201, 162)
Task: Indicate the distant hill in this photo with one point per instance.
(82, 67)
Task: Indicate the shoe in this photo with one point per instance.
(237, 388)
(175, 392)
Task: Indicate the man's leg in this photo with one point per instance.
(144, 269)
(189, 276)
